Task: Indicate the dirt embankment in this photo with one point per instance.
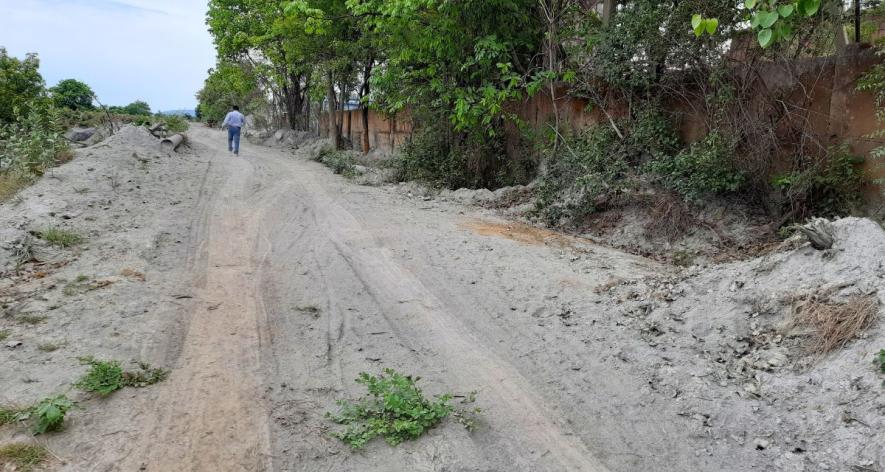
(585, 357)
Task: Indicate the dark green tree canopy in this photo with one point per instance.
(72, 94)
(21, 85)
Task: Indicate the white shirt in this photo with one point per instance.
(234, 119)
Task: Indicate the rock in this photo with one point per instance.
(819, 232)
(13, 344)
(761, 443)
(80, 134)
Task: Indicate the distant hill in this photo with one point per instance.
(181, 112)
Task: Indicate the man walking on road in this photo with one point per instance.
(234, 123)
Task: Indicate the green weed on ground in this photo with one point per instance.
(4, 334)
(49, 414)
(22, 457)
(13, 414)
(60, 237)
(395, 409)
(106, 377)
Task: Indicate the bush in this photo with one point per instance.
(395, 409)
(21, 85)
(175, 123)
(586, 172)
(33, 143)
(341, 162)
(705, 168)
(72, 94)
(827, 187)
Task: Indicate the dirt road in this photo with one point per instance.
(268, 284)
(396, 287)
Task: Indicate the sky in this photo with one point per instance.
(126, 50)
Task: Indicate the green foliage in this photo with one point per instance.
(22, 457)
(138, 108)
(72, 94)
(21, 85)
(175, 123)
(827, 186)
(585, 173)
(879, 361)
(341, 162)
(775, 20)
(103, 377)
(32, 143)
(395, 409)
(60, 237)
(4, 334)
(229, 84)
(106, 377)
(50, 413)
(705, 168)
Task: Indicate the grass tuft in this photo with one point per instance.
(60, 237)
(11, 183)
(4, 334)
(106, 377)
(22, 457)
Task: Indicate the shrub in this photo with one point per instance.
(828, 186)
(21, 85)
(33, 143)
(705, 168)
(175, 123)
(587, 171)
(341, 162)
(395, 409)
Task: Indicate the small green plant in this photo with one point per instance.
(103, 377)
(60, 237)
(879, 361)
(22, 457)
(50, 413)
(395, 409)
(4, 334)
(106, 377)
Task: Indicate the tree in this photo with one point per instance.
(137, 107)
(21, 85)
(228, 84)
(72, 94)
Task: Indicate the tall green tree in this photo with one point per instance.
(72, 94)
(21, 85)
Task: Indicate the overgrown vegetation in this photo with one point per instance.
(22, 457)
(395, 409)
(341, 162)
(106, 377)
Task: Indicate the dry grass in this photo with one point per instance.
(22, 457)
(11, 184)
(670, 218)
(832, 324)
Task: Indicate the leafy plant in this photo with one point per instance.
(175, 123)
(106, 377)
(704, 168)
(879, 361)
(60, 237)
(827, 186)
(72, 94)
(103, 377)
(32, 143)
(50, 413)
(22, 457)
(395, 409)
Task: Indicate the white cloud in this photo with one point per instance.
(157, 51)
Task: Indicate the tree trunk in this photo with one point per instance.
(367, 74)
(334, 131)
